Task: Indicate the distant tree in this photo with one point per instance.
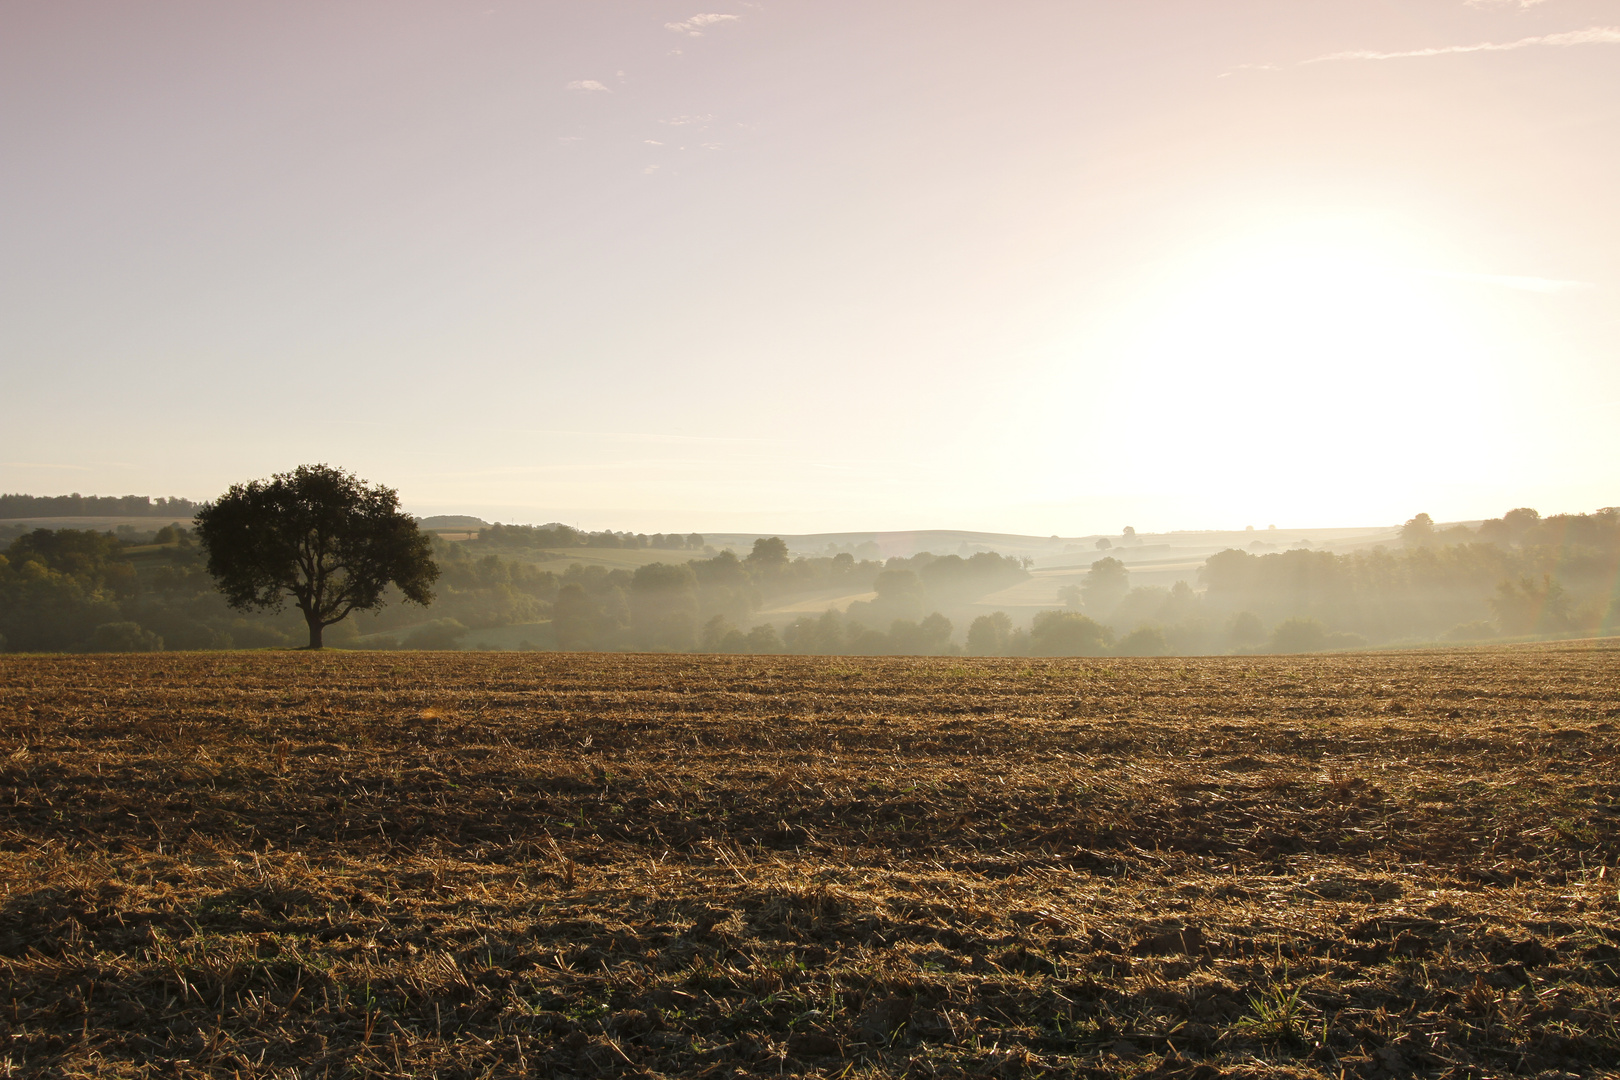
(1067, 633)
(1418, 532)
(320, 536)
(1245, 629)
(1105, 585)
(1143, 641)
(1513, 527)
(663, 606)
(437, 634)
(1298, 636)
(1103, 544)
(988, 634)
(714, 632)
(764, 639)
(899, 591)
(934, 633)
(124, 637)
(573, 617)
(1528, 606)
(830, 632)
(1128, 534)
(770, 552)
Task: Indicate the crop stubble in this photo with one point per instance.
(486, 864)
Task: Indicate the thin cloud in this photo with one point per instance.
(588, 85)
(693, 27)
(1595, 35)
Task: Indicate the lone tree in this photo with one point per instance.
(319, 535)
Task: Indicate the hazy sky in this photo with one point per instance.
(796, 265)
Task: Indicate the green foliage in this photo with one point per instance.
(124, 637)
(1245, 629)
(1418, 532)
(769, 552)
(664, 606)
(319, 536)
(1143, 641)
(1104, 586)
(437, 634)
(763, 639)
(556, 536)
(76, 505)
(1068, 633)
(1531, 607)
(989, 635)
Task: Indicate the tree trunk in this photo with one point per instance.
(315, 629)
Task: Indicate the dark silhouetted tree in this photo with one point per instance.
(320, 536)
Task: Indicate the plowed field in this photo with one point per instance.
(281, 864)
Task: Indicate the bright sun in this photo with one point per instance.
(1329, 355)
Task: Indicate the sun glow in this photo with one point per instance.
(1319, 357)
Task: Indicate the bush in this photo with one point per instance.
(1298, 636)
(1477, 630)
(124, 637)
(1068, 633)
(764, 639)
(438, 634)
(1143, 641)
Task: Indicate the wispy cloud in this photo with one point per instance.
(1595, 35)
(589, 85)
(693, 27)
(685, 121)
(1501, 3)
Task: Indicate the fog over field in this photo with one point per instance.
(98, 583)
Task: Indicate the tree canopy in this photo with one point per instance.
(319, 536)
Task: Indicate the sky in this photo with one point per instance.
(1035, 266)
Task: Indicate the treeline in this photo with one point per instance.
(705, 604)
(76, 505)
(510, 538)
(79, 590)
(1518, 575)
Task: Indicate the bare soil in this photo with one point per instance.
(345, 864)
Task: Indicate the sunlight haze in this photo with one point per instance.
(1040, 267)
